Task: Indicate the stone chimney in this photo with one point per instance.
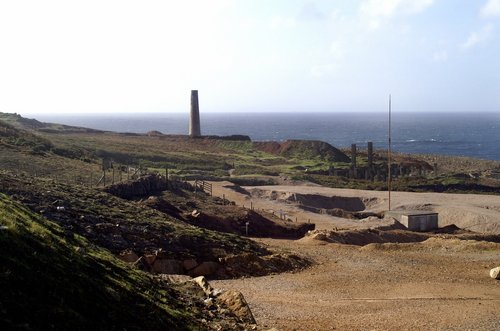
(194, 118)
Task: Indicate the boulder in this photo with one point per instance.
(237, 304)
(174, 279)
(205, 286)
(495, 273)
(164, 266)
(205, 269)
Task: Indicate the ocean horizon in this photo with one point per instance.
(460, 134)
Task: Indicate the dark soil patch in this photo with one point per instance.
(237, 220)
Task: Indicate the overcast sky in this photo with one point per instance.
(242, 55)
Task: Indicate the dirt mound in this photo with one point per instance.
(421, 206)
(392, 238)
(253, 265)
(162, 205)
(141, 187)
(303, 149)
(456, 244)
(365, 237)
(448, 244)
(232, 219)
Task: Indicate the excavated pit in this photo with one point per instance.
(347, 207)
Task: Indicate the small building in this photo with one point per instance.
(415, 220)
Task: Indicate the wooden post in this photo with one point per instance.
(113, 174)
(224, 199)
(104, 177)
(128, 170)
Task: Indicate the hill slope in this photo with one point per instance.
(313, 149)
(50, 279)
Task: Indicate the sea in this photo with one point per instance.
(461, 134)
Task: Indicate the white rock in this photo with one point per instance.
(495, 273)
(205, 286)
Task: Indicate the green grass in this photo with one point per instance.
(50, 279)
(88, 210)
(74, 155)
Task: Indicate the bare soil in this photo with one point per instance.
(438, 283)
(475, 212)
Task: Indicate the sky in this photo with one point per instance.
(249, 56)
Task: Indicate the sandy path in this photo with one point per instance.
(480, 213)
(352, 288)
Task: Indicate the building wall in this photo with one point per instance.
(420, 222)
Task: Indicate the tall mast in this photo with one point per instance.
(389, 156)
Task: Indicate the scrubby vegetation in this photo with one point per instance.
(54, 279)
(75, 155)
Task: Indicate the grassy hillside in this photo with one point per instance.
(117, 224)
(20, 122)
(12, 137)
(54, 280)
(74, 155)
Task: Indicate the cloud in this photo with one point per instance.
(440, 56)
(376, 11)
(479, 37)
(322, 70)
(389, 8)
(279, 22)
(337, 50)
(310, 12)
(491, 8)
